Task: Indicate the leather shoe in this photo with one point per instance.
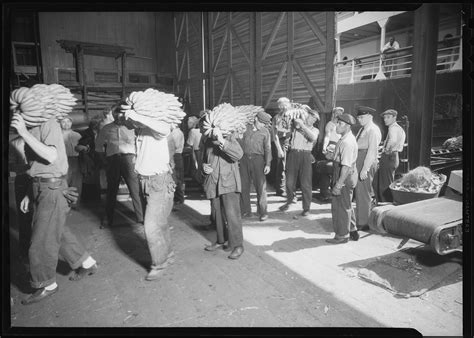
(284, 207)
(82, 272)
(38, 295)
(263, 217)
(214, 246)
(237, 252)
(364, 227)
(305, 213)
(154, 274)
(337, 240)
(354, 235)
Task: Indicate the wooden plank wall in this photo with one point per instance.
(188, 59)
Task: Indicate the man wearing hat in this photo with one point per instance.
(389, 161)
(299, 160)
(325, 167)
(368, 139)
(255, 164)
(344, 181)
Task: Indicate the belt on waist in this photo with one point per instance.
(48, 179)
(301, 150)
(151, 176)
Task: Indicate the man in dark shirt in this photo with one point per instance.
(255, 164)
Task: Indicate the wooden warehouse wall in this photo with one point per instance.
(148, 33)
(257, 57)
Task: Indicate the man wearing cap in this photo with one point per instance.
(299, 160)
(280, 136)
(344, 181)
(325, 168)
(368, 140)
(389, 160)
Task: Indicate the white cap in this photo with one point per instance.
(283, 99)
(338, 108)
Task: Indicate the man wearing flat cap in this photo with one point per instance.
(389, 160)
(344, 181)
(255, 164)
(281, 137)
(368, 139)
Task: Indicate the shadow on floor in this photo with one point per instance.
(409, 272)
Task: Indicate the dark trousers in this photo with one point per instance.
(385, 176)
(122, 166)
(343, 216)
(324, 169)
(280, 169)
(251, 169)
(22, 188)
(178, 176)
(74, 175)
(364, 193)
(299, 166)
(51, 238)
(227, 208)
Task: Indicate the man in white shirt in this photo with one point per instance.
(155, 174)
(71, 140)
(389, 60)
(389, 160)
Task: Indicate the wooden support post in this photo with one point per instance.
(124, 73)
(258, 59)
(79, 53)
(423, 84)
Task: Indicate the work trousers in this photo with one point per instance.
(343, 216)
(158, 191)
(251, 169)
(299, 166)
(22, 188)
(74, 175)
(280, 170)
(228, 219)
(364, 192)
(324, 169)
(178, 175)
(51, 238)
(121, 165)
(384, 176)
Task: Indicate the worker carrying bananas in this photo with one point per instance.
(299, 159)
(255, 164)
(222, 184)
(35, 117)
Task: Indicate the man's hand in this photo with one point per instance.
(81, 147)
(218, 135)
(19, 124)
(206, 167)
(71, 194)
(298, 123)
(25, 204)
(363, 175)
(266, 170)
(336, 191)
(281, 154)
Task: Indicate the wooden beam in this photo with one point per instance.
(273, 35)
(239, 42)
(237, 85)
(223, 89)
(290, 53)
(314, 27)
(277, 82)
(307, 82)
(363, 19)
(224, 40)
(180, 32)
(423, 82)
(252, 69)
(258, 58)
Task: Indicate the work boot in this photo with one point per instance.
(38, 295)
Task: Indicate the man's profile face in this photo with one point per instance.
(389, 119)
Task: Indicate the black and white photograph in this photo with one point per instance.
(226, 169)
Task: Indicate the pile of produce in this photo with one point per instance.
(297, 111)
(453, 143)
(229, 119)
(155, 105)
(420, 180)
(41, 102)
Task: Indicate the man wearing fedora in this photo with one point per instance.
(344, 181)
(255, 164)
(368, 139)
(389, 160)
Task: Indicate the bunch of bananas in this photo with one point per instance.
(297, 111)
(41, 102)
(229, 119)
(155, 105)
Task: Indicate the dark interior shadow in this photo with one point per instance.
(131, 243)
(410, 272)
(294, 244)
(19, 275)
